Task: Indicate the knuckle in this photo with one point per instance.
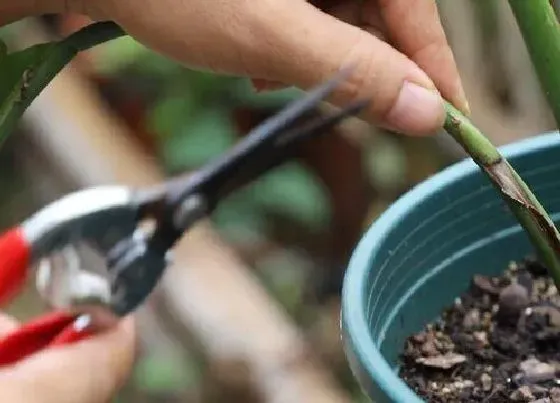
(431, 49)
(363, 65)
(374, 73)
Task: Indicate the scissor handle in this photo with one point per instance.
(47, 331)
(14, 261)
(70, 334)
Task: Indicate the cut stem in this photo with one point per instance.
(521, 201)
(539, 27)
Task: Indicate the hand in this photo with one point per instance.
(89, 371)
(279, 42)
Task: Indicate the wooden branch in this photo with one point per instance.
(212, 294)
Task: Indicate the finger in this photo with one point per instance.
(90, 371)
(7, 324)
(414, 27)
(352, 13)
(349, 12)
(317, 45)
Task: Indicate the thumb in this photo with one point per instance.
(90, 371)
(317, 45)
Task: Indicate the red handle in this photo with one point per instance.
(14, 261)
(70, 335)
(33, 336)
(50, 330)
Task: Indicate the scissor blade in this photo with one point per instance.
(283, 149)
(322, 124)
(295, 110)
(261, 140)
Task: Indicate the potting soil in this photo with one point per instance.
(499, 342)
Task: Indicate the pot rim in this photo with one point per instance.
(358, 341)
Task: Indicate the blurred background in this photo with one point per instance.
(250, 310)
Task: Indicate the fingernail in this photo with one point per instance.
(417, 111)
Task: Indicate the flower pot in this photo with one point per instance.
(422, 253)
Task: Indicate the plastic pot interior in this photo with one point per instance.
(422, 253)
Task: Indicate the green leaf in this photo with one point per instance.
(284, 272)
(246, 95)
(3, 50)
(204, 137)
(18, 72)
(164, 373)
(292, 190)
(386, 163)
(240, 220)
(27, 72)
(171, 114)
(120, 53)
(206, 84)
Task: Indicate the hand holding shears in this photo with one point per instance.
(134, 230)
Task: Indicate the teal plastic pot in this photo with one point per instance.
(422, 253)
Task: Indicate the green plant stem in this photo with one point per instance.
(521, 201)
(539, 27)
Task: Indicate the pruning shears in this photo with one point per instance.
(134, 231)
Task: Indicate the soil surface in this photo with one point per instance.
(499, 342)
